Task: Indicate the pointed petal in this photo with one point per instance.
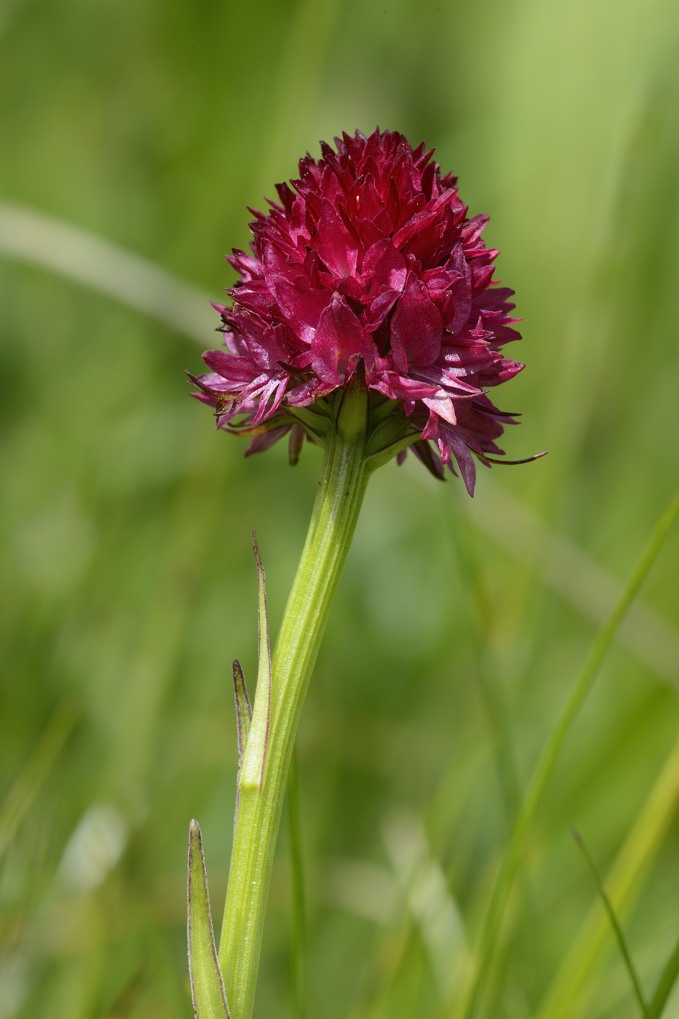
(340, 342)
(416, 328)
(442, 405)
(334, 243)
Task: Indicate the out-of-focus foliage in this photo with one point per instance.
(127, 581)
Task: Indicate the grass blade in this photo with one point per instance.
(567, 996)
(668, 978)
(23, 793)
(615, 923)
(547, 763)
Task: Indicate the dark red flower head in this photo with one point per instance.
(367, 268)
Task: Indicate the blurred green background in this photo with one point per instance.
(128, 583)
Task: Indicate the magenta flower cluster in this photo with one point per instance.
(368, 268)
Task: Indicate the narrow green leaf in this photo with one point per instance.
(243, 720)
(243, 709)
(668, 979)
(254, 757)
(615, 923)
(207, 986)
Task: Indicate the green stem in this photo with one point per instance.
(267, 755)
(299, 909)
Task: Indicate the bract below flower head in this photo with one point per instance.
(367, 271)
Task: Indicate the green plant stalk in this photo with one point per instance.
(276, 712)
(299, 909)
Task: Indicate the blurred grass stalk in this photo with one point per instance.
(570, 993)
(21, 796)
(37, 239)
(572, 986)
(542, 774)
